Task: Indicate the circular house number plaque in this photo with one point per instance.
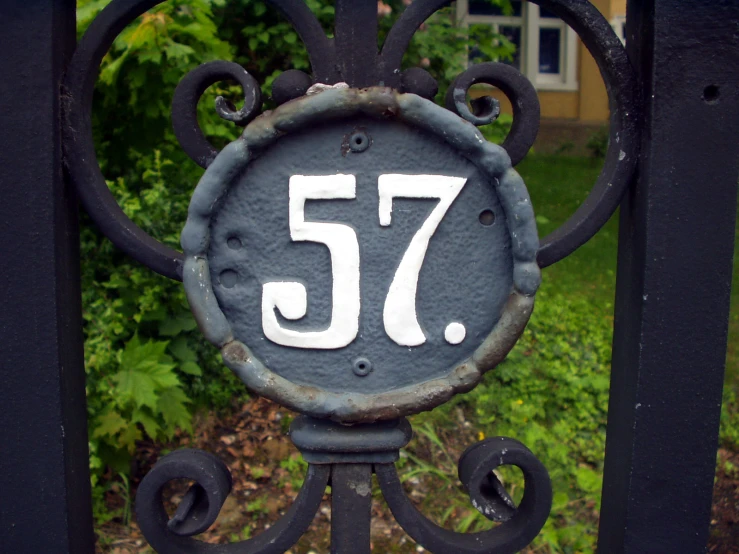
(361, 255)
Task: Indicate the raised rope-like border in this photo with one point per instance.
(381, 103)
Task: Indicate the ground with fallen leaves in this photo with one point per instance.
(725, 510)
(267, 473)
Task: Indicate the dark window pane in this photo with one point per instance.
(549, 50)
(547, 14)
(514, 35)
(487, 7)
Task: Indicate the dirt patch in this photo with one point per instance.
(725, 511)
(267, 473)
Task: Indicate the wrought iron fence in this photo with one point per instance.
(671, 166)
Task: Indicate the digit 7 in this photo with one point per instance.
(399, 313)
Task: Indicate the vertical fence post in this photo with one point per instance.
(674, 278)
(44, 475)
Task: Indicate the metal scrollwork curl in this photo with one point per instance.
(185, 102)
(520, 524)
(516, 87)
(623, 148)
(199, 507)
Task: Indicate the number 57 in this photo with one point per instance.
(399, 313)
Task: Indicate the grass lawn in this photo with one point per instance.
(557, 186)
(551, 392)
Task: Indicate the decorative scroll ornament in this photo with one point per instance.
(358, 254)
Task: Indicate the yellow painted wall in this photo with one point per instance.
(618, 7)
(554, 105)
(559, 105)
(593, 97)
(590, 103)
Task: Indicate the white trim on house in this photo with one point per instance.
(618, 23)
(531, 25)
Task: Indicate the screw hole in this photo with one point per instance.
(233, 243)
(362, 367)
(229, 278)
(359, 142)
(711, 94)
(487, 217)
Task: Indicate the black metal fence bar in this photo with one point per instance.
(44, 476)
(674, 278)
(672, 299)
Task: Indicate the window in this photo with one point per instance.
(619, 26)
(546, 48)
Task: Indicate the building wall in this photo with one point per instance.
(554, 105)
(593, 97)
(570, 118)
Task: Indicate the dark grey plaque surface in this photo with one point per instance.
(479, 270)
(466, 276)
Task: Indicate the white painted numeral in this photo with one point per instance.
(291, 297)
(399, 314)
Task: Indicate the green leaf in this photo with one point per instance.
(128, 438)
(191, 368)
(172, 405)
(181, 350)
(150, 424)
(137, 387)
(110, 424)
(177, 50)
(144, 370)
(174, 326)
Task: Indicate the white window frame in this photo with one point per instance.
(530, 23)
(617, 23)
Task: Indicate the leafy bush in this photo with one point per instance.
(144, 356)
(729, 436)
(551, 393)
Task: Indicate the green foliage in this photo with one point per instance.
(144, 391)
(729, 435)
(296, 468)
(598, 143)
(552, 395)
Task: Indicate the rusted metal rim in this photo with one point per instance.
(381, 103)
